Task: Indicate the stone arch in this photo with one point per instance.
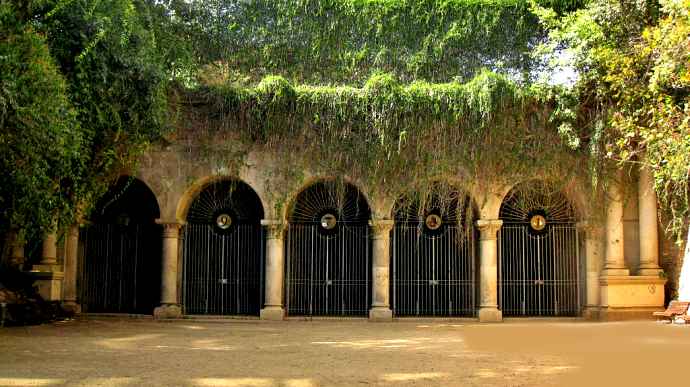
(444, 183)
(572, 191)
(194, 190)
(311, 182)
(127, 196)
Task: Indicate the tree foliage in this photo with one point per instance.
(347, 41)
(83, 92)
(633, 95)
(40, 137)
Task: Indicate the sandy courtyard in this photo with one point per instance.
(343, 353)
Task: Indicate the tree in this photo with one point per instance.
(633, 92)
(40, 137)
(82, 93)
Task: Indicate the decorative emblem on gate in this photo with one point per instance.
(328, 221)
(433, 222)
(537, 222)
(224, 221)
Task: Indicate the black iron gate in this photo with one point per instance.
(223, 271)
(540, 271)
(433, 274)
(120, 268)
(328, 274)
(540, 275)
(223, 251)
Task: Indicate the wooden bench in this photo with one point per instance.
(675, 308)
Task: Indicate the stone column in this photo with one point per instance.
(380, 295)
(48, 275)
(594, 253)
(49, 255)
(69, 289)
(488, 268)
(275, 269)
(615, 254)
(16, 249)
(170, 307)
(649, 233)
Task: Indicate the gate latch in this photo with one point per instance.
(539, 282)
(223, 281)
(433, 282)
(329, 282)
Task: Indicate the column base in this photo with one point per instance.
(615, 273)
(380, 314)
(490, 314)
(71, 307)
(590, 313)
(272, 313)
(651, 271)
(167, 312)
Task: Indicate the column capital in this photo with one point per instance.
(380, 228)
(170, 229)
(488, 228)
(275, 228)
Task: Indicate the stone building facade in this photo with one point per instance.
(599, 267)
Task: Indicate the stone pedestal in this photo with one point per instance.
(380, 306)
(631, 297)
(275, 266)
(488, 268)
(649, 232)
(170, 307)
(49, 283)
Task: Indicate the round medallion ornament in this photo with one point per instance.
(223, 221)
(433, 222)
(537, 222)
(328, 221)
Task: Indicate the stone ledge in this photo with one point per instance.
(632, 313)
(632, 279)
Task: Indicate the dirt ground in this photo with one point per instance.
(344, 353)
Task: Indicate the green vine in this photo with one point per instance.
(381, 134)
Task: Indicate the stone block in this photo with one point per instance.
(631, 297)
(490, 315)
(380, 314)
(167, 312)
(272, 313)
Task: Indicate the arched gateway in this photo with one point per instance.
(121, 263)
(223, 251)
(540, 271)
(434, 255)
(328, 266)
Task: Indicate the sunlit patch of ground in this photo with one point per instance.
(341, 353)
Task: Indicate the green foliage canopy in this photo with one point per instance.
(346, 41)
(633, 95)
